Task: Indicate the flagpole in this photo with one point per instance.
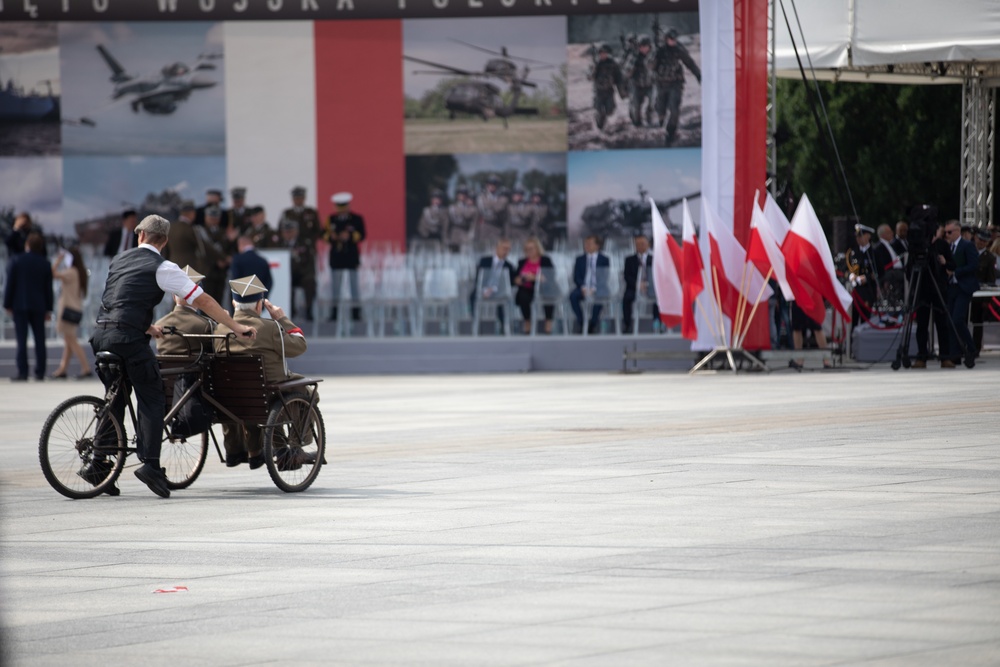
(718, 309)
(755, 304)
(741, 304)
(708, 319)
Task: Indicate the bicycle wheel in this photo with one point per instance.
(183, 459)
(82, 448)
(294, 443)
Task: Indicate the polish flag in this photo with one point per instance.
(732, 272)
(776, 220)
(666, 271)
(808, 258)
(765, 253)
(692, 271)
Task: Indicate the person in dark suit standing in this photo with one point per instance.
(249, 262)
(590, 276)
(123, 238)
(345, 230)
(18, 236)
(638, 281)
(962, 284)
(28, 299)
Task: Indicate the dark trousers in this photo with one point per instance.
(958, 309)
(523, 299)
(628, 304)
(575, 297)
(143, 374)
(36, 320)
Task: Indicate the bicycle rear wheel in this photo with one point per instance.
(183, 459)
(294, 443)
(81, 448)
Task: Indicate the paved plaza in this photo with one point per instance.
(824, 518)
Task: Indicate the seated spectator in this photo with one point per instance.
(27, 298)
(639, 281)
(529, 272)
(186, 319)
(493, 270)
(590, 277)
(276, 341)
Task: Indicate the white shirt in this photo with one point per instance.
(170, 278)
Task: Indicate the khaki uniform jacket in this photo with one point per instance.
(187, 320)
(184, 246)
(268, 343)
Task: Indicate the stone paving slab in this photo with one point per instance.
(825, 518)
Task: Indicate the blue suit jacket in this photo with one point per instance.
(966, 261)
(248, 263)
(580, 273)
(29, 283)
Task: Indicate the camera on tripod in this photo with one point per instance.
(923, 225)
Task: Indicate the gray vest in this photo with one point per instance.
(131, 292)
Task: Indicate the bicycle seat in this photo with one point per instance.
(109, 358)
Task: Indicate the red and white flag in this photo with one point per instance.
(692, 271)
(666, 271)
(808, 258)
(765, 253)
(776, 219)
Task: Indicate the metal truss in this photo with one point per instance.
(979, 104)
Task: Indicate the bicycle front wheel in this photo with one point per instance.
(82, 448)
(183, 459)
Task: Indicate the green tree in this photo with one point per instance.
(900, 146)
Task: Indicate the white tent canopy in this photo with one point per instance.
(851, 34)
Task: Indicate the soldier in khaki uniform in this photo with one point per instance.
(182, 245)
(220, 246)
(238, 216)
(432, 229)
(309, 225)
(185, 319)
(303, 260)
(258, 230)
(539, 216)
(520, 215)
(493, 211)
(277, 340)
(462, 217)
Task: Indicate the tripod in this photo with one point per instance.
(920, 273)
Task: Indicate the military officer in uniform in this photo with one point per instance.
(213, 198)
(277, 340)
(345, 230)
(492, 204)
(462, 217)
(309, 227)
(520, 218)
(865, 273)
(219, 246)
(237, 217)
(186, 319)
(432, 228)
(184, 247)
(259, 230)
(638, 71)
(137, 279)
(303, 259)
(668, 68)
(607, 77)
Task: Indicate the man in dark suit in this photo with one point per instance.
(248, 263)
(590, 275)
(123, 238)
(962, 283)
(493, 273)
(638, 281)
(28, 299)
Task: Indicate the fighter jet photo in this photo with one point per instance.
(159, 92)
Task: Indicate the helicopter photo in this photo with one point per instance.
(482, 98)
(160, 92)
(143, 88)
(460, 74)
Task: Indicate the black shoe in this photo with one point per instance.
(113, 491)
(233, 460)
(95, 471)
(155, 479)
(256, 461)
(19, 378)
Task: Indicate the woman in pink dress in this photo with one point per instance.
(529, 271)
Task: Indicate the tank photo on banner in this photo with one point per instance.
(29, 89)
(154, 88)
(465, 203)
(634, 81)
(98, 189)
(484, 85)
(608, 192)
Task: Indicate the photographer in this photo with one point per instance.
(930, 259)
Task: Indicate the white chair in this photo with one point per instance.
(397, 301)
(549, 292)
(439, 298)
(606, 296)
(496, 301)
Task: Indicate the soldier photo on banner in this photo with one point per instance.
(466, 203)
(634, 81)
